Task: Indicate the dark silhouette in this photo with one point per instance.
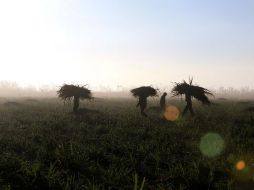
(142, 102)
(163, 101)
(143, 93)
(75, 103)
(190, 91)
(189, 104)
(67, 92)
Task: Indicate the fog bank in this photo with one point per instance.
(13, 90)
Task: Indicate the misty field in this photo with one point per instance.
(109, 145)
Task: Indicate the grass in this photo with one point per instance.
(110, 146)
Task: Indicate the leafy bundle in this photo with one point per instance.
(67, 92)
(144, 91)
(197, 92)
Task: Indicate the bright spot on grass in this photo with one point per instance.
(240, 165)
(171, 113)
(211, 144)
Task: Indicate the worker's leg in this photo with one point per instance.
(185, 109)
(191, 110)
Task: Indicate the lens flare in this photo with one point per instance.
(240, 165)
(211, 144)
(171, 113)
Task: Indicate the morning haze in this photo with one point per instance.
(126, 94)
(127, 43)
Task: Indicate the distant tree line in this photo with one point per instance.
(230, 92)
(12, 89)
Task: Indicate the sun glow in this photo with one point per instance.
(30, 52)
(52, 42)
(35, 50)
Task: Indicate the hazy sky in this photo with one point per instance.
(127, 42)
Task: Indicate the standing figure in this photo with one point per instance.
(75, 92)
(143, 93)
(163, 101)
(75, 104)
(142, 103)
(190, 91)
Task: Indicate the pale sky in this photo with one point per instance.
(127, 42)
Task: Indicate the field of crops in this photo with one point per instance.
(108, 145)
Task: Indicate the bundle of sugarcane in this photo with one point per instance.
(67, 92)
(197, 92)
(144, 91)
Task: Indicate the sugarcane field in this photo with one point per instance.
(126, 95)
(108, 144)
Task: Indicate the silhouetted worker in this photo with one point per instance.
(142, 93)
(163, 101)
(189, 104)
(142, 102)
(190, 91)
(76, 104)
